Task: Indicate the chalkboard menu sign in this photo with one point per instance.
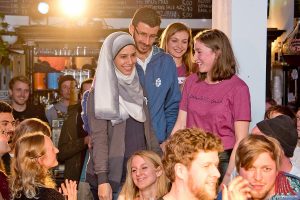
(16, 7)
(168, 9)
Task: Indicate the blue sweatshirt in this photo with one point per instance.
(160, 82)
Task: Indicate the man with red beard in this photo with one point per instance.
(258, 160)
(191, 163)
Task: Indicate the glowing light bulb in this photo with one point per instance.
(43, 7)
(73, 7)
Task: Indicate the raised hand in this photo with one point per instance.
(69, 189)
(238, 189)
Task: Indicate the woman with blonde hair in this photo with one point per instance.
(30, 125)
(145, 177)
(26, 126)
(176, 40)
(34, 155)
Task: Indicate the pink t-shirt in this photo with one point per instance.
(215, 107)
(181, 74)
(181, 71)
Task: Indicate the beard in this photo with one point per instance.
(20, 102)
(259, 195)
(264, 193)
(200, 192)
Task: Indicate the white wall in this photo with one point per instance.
(246, 25)
(249, 36)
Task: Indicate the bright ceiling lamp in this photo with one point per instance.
(73, 8)
(43, 7)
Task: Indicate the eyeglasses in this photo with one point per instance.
(145, 35)
(6, 123)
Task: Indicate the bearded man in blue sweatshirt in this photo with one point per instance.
(157, 73)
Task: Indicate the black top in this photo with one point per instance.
(31, 111)
(134, 141)
(45, 194)
(6, 158)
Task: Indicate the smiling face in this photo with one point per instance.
(177, 44)
(19, 93)
(126, 59)
(48, 160)
(7, 124)
(144, 37)
(6, 129)
(261, 176)
(204, 174)
(204, 57)
(143, 172)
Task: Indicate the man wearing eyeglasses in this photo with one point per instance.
(157, 72)
(7, 127)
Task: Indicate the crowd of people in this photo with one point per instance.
(155, 123)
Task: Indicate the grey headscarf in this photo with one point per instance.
(116, 95)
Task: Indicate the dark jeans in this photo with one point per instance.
(224, 158)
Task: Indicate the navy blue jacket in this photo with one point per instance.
(160, 82)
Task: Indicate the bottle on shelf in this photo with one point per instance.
(278, 53)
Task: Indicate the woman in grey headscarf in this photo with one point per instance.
(117, 116)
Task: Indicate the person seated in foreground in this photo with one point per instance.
(6, 128)
(34, 156)
(258, 160)
(191, 163)
(145, 178)
(284, 130)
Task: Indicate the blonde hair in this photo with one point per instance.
(26, 172)
(28, 126)
(252, 146)
(130, 191)
(188, 55)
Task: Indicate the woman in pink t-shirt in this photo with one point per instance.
(176, 40)
(215, 99)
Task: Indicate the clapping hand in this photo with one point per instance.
(69, 190)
